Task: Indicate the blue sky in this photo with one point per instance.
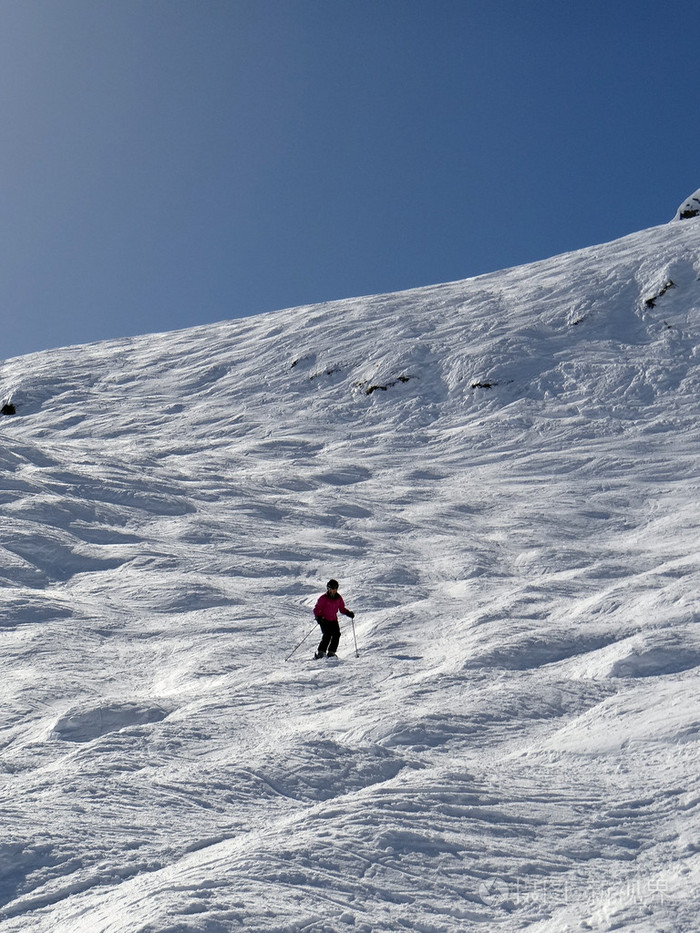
(166, 163)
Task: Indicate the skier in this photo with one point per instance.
(326, 612)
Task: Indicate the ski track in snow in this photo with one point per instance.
(503, 473)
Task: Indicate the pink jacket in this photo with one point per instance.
(328, 609)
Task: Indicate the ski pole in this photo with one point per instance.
(299, 645)
(357, 653)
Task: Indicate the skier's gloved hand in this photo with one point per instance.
(350, 614)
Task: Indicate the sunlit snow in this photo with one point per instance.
(503, 474)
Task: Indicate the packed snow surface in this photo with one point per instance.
(503, 473)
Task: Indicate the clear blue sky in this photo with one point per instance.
(167, 163)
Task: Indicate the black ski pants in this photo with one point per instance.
(331, 635)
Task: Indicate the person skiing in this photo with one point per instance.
(326, 612)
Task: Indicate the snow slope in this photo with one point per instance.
(503, 473)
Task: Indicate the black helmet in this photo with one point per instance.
(332, 585)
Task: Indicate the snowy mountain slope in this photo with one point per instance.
(689, 208)
(503, 473)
